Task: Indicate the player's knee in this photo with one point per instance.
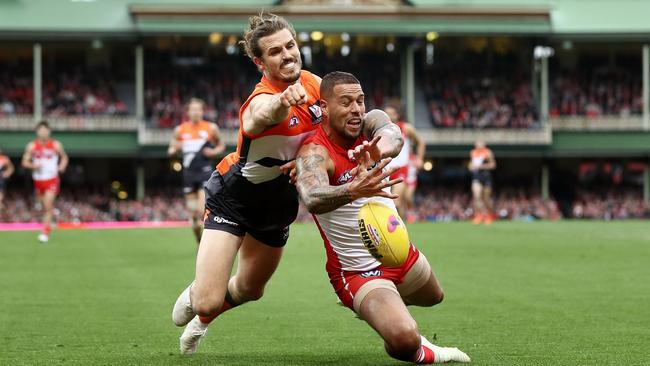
(206, 305)
(247, 292)
(435, 299)
(402, 340)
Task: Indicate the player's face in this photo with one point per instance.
(392, 113)
(43, 133)
(195, 111)
(479, 144)
(345, 110)
(280, 59)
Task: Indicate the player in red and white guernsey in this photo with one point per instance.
(46, 159)
(199, 143)
(338, 171)
(401, 161)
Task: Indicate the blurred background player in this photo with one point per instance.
(411, 185)
(334, 188)
(199, 143)
(402, 161)
(6, 170)
(46, 159)
(481, 165)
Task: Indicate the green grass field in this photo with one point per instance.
(568, 293)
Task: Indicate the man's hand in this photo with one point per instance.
(290, 170)
(359, 152)
(174, 148)
(370, 182)
(210, 152)
(293, 95)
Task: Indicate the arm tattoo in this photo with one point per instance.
(314, 188)
(376, 123)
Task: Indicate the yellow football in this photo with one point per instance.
(384, 234)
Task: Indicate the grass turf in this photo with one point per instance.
(566, 293)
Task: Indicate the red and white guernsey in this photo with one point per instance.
(339, 228)
(47, 158)
(402, 159)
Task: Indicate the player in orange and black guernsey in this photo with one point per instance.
(6, 170)
(481, 165)
(250, 202)
(199, 143)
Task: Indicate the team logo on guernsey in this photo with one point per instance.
(203, 134)
(294, 121)
(316, 113)
(345, 177)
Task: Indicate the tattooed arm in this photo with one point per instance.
(314, 167)
(377, 123)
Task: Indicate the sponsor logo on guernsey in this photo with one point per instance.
(316, 113)
(294, 121)
(186, 136)
(221, 220)
(345, 177)
(203, 134)
(367, 240)
(373, 273)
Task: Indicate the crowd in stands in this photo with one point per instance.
(223, 84)
(431, 204)
(468, 88)
(16, 92)
(610, 205)
(446, 204)
(596, 93)
(94, 206)
(81, 93)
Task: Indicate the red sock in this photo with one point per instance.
(424, 356)
(208, 319)
(46, 230)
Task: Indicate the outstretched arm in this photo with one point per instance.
(377, 123)
(313, 166)
(266, 110)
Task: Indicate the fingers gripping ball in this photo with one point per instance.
(383, 233)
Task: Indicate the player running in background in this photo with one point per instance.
(334, 188)
(481, 165)
(6, 170)
(411, 186)
(401, 161)
(199, 142)
(46, 159)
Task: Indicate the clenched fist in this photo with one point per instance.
(295, 94)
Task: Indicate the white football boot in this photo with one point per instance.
(183, 312)
(192, 336)
(445, 354)
(43, 238)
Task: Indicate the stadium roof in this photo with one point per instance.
(81, 18)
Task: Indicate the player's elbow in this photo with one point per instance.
(312, 206)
